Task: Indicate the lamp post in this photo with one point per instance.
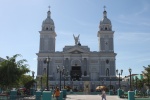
(130, 70)
(65, 74)
(33, 77)
(119, 76)
(61, 71)
(47, 61)
(41, 82)
(130, 92)
(102, 82)
(110, 91)
(33, 74)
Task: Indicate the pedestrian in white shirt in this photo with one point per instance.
(103, 95)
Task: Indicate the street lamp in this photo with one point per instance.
(33, 74)
(41, 82)
(47, 61)
(33, 77)
(61, 71)
(102, 82)
(119, 76)
(65, 74)
(130, 70)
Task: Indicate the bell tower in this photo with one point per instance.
(105, 34)
(47, 35)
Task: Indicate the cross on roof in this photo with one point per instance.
(104, 7)
(49, 7)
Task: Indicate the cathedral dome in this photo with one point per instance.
(48, 23)
(48, 20)
(105, 23)
(105, 20)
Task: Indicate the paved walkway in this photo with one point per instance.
(91, 97)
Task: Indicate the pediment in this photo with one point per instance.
(76, 50)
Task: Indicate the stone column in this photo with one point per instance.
(103, 68)
(83, 66)
(87, 66)
(69, 67)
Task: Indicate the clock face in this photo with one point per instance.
(107, 61)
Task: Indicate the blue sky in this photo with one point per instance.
(20, 21)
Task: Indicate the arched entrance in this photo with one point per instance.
(76, 73)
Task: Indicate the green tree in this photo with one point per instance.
(12, 70)
(140, 84)
(136, 82)
(25, 79)
(29, 84)
(133, 83)
(146, 74)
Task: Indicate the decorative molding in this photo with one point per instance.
(93, 61)
(58, 61)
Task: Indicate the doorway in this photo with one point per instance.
(76, 73)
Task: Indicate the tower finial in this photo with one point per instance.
(104, 8)
(49, 7)
(48, 13)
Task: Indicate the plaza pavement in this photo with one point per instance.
(91, 97)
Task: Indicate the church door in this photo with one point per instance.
(76, 73)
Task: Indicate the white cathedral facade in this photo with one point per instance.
(84, 66)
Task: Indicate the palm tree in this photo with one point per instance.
(146, 73)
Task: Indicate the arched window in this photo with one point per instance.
(46, 28)
(107, 72)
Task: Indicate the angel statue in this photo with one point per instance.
(76, 39)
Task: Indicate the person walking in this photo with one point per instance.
(57, 93)
(103, 95)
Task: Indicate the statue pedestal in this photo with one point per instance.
(38, 95)
(61, 95)
(110, 92)
(47, 95)
(64, 93)
(131, 95)
(119, 92)
(13, 94)
(32, 91)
